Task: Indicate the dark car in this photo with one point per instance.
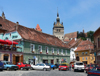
(90, 66)
(94, 72)
(57, 65)
(1, 66)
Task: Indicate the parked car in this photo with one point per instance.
(23, 66)
(52, 66)
(9, 66)
(78, 66)
(90, 66)
(94, 72)
(41, 66)
(1, 66)
(57, 65)
(63, 67)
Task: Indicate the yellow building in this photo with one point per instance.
(83, 52)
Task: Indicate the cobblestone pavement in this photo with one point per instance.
(41, 73)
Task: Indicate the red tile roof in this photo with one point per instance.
(6, 24)
(38, 28)
(71, 35)
(85, 45)
(31, 34)
(74, 43)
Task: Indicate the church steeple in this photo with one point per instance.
(58, 19)
(3, 15)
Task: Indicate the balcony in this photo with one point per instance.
(9, 48)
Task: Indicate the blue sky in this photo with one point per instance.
(75, 14)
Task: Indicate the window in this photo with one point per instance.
(46, 50)
(86, 58)
(66, 52)
(14, 37)
(6, 38)
(40, 48)
(52, 49)
(76, 53)
(86, 53)
(61, 51)
(57, 51)
(82, 53)
(32, 47)
(83, 58)
(98, 42)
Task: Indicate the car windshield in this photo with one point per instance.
(8, 63)
(96, 69)
(94, 65)
(87, 65)
(63, 64)
(79, 63)
(24, 63)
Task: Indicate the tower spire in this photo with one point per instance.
(57, 12)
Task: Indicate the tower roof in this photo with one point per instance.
(38, 28)
(58, 24)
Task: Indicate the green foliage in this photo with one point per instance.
(90, 35)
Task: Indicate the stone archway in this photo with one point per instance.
(77, 58)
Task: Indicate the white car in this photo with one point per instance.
(41, 66)
(78, 66)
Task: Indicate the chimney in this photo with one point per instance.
(3, 15)
(17, 23)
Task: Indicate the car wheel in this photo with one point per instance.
(74, 70)
(8, 69)
(27, 69)
(15, 69)
(21, 68)
(44, 69)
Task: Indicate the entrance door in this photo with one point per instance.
(52, 61)
(77, 58)
(6, 57)
(45, 61)
(17, 59)
(57, 61)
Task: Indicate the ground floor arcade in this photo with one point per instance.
(44, 58)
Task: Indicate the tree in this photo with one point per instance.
(81, 35)
(90, 35)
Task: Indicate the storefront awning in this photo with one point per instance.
(3, 41)
(8, 42)
(11, 42)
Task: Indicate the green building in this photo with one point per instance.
(35, 46)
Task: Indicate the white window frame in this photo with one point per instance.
(82, 58)
(47, 49)
(66, 52)
(61, 51)
(52, 50)
(40, 48)
(86, 53)
(57, 51)
(86, 58)
(32, 47)
(82, 53)
(76, 53)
